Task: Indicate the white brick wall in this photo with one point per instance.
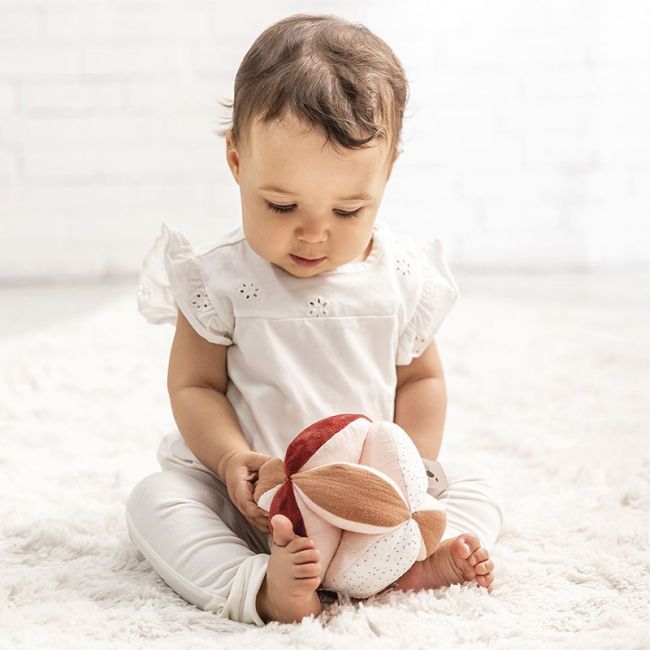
(527, 141)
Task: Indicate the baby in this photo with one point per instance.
(311, 308)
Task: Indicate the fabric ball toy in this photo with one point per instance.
(358, 489)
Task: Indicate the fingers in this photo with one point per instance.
(253, 513)
(244, 495)
(258, 517)
(262, 525)
(245, 503)
(254, 462)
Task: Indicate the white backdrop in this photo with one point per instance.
(527, 138)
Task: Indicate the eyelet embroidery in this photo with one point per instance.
(418, 345)
(318, 307)
(431, 287)
(403, 266)
(200, 301)
(249, 290)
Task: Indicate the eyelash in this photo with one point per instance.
(283, 209)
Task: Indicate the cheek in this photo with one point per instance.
(263, 231)
(254, 218)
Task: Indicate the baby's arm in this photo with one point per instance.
(421, 401)
(196, 381)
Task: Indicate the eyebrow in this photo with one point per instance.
(281, 190)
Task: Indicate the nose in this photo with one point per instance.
(312, 231)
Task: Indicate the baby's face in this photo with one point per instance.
(303, 201)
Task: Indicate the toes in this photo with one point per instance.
(296, 545)
(310, 584)
(282, 530)
(461, 548)
(306, 556)
(478, 556)
(300, 544)
(467, 545)
(311, 570)
(468, 573)
(485, 580)
(484, 567)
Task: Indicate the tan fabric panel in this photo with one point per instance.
(432, 526)
(353, 494)
(270, 474)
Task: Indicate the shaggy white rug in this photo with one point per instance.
(549, 387)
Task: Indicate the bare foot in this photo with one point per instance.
(288, 592)
(455, 561)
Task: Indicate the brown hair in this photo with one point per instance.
(332, 74)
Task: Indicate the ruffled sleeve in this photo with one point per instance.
(171, 279)
(438, 294)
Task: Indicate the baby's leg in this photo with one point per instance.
(220, 561)
(186, 526)
(474, 518)
(472, 502)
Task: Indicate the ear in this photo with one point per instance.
(232, 155)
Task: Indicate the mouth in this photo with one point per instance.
(303, 261)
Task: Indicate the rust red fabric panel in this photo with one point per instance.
(284, 502)
(305, 444)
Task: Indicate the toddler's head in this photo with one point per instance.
(316, 124)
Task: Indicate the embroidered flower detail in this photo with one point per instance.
(418, 345)
(318, 307)
(432, 288)
(249, 290)
(403, 266)
(200, 301)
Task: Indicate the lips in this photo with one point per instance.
(304, 261)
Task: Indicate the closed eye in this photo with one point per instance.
(289, 208)
(280, 208)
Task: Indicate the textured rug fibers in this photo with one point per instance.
(549, 388)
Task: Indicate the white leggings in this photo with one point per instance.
(183, 522)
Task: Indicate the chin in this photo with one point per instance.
(302, 272)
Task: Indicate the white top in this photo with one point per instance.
(302, 349)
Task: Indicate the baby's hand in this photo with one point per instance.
(241, 474)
